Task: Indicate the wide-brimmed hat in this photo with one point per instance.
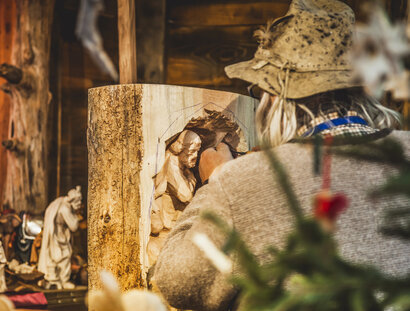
(304, 52)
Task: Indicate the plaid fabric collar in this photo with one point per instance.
(354, 128)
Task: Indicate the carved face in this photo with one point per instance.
(189, 154)
(186, 147)
(76, 203)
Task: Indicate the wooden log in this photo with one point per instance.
(127, 41)
(26, 180)
(128, 126)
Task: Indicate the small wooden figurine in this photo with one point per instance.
(174, 188)
(55, 255)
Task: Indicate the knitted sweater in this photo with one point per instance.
(246, 195)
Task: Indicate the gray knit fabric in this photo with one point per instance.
(246, 195)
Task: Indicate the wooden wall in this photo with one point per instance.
(205, 36)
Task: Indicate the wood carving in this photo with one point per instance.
(27, 76)
(174, 188)
(60, 220)
(175, 183)
(130, 130)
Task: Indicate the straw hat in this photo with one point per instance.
(304, 52)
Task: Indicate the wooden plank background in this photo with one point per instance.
(204, 36)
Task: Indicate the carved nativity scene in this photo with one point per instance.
(178, 178)
(35, 252)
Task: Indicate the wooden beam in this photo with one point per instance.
(7, 28)
(26, 179)
(127, 41)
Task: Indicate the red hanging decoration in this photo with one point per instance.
(328, 206)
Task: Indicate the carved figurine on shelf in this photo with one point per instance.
(60, 220)
(174, 188)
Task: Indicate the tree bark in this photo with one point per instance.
(128, 126)
(28, 76)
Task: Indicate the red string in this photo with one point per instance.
(327, 161)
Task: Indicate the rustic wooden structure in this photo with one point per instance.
(7, 27)
(127, 41)
(27, 76)
(128, 126)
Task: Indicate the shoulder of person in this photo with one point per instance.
(403, 137)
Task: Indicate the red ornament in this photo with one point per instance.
(329, 206)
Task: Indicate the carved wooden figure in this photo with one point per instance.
(55, 255)
(174, 188)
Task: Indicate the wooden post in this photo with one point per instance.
(128, 126)
(127, 41)
(28, 75)
(7, 28)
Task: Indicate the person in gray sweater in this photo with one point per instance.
(308, 88)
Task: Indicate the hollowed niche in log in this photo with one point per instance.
(130, 130)
(178, 178)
